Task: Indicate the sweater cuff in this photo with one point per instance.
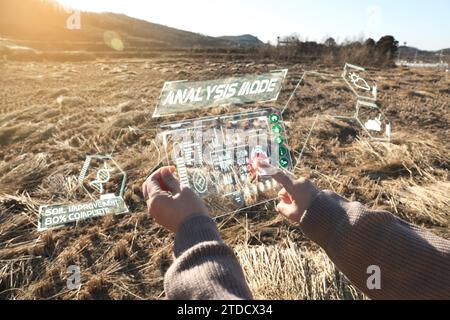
(194, 231)
(324, 219)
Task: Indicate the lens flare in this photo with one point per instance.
(113, 40)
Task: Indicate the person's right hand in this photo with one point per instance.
(296, 196)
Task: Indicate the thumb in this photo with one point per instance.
(169, 181)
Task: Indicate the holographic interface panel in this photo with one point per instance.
(217, 157)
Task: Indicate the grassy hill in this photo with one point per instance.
(42, 25)
(411, 53)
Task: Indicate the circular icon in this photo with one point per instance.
(200, 182)
(277, 128)
(279, 140)
(256, 155)
(283, 151)
(258, 152)
(284, 163)
(274, 118)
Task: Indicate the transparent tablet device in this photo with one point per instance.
(217, 157)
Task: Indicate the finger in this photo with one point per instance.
(264, 168)
(169, 182)
(286, 181)
(287, 210)
(285, 196)
(153, 184)
(144, 190)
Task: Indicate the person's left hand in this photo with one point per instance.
(168, 203)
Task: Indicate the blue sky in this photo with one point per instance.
(422, 23)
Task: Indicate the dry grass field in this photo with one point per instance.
(54, 114)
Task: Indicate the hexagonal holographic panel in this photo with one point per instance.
(102, 177)
(359, 82)
(373, 121)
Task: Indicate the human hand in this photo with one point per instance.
(168, 203)
(296, 196)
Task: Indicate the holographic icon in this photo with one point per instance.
(103, 177)
(374, 124)
(359, 82)
(277, 128)
(284, 162)
(258, 152)
(200, 182)
(274, 118)
(279, 140)
(356, 79)
(180, 163)
(283, 151)
(373, 121)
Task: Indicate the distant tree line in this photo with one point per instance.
(364, 52)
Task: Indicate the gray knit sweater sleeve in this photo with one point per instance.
(205, 268)
(413, 263)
